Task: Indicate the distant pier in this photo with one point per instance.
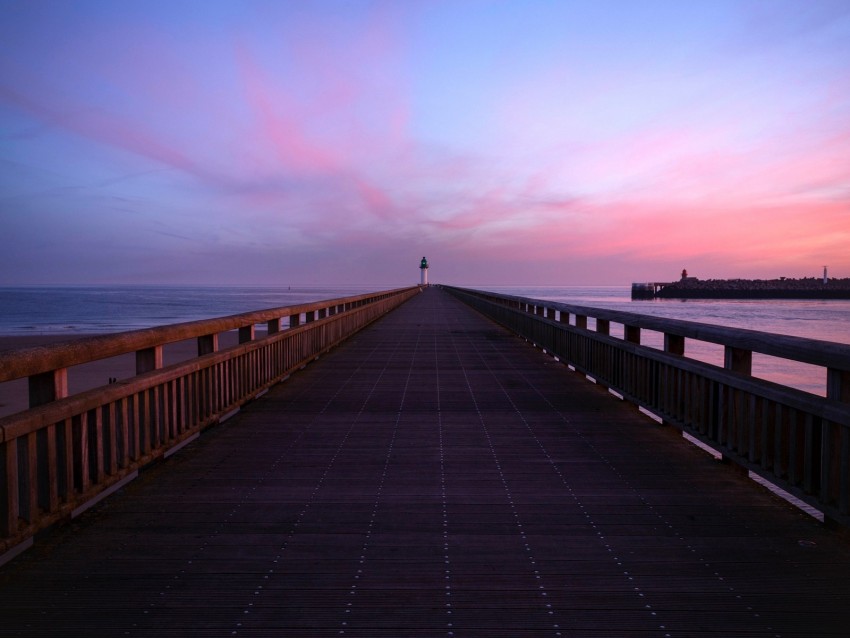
(646, 290)
(782, 288)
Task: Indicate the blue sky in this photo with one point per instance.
(539, 143)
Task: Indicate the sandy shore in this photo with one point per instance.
(14, 394)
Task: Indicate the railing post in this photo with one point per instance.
(148, 359)
(565, 317)
(207, 344)
(550, 313)
(581, 321)
(674, 344)
(294, 320)
(738, 360)
(838, 385)
(273, 326)
(835, 446)
(309, 316)
(246, 334)
(603, 326)
(48, 386)
(631, 334)
(9, 492)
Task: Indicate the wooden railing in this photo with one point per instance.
(795, 440)
(67, 452)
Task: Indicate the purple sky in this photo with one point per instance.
(513, 143)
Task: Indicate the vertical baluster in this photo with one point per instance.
(79, 426)
(123, 413)
(767, 417)
(779, 437)
(65, 452)
(754, 450)
(96, 426)
(835, 480)
(51, 470)
(146, 424)
(843, 490)
(30, 492)
(9, 504)
(811, 454)
(793, 447)
(112, 427)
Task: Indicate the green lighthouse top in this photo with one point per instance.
(424, 263)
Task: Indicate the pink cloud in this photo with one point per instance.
(105, 128)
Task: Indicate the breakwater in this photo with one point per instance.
(782, 288)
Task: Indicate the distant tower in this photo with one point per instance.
(825, 279)
(423, 269)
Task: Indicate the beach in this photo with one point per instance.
(14, 394)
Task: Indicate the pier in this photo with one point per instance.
(782, 288)
(428, 462)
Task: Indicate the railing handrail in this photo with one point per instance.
(66, 452)
(794, 439)
(802, 349)
(25, 362)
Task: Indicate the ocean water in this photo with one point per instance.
(45, 310)
(827, 319)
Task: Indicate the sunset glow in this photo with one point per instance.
(546, 143)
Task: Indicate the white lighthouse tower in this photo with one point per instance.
(423, 269)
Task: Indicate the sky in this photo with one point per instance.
(337, 142)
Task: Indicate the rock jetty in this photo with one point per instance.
(782, 288)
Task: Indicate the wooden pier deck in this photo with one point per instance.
(435, 476)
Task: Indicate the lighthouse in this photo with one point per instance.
(423, 269)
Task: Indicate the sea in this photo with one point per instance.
(82, 310)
